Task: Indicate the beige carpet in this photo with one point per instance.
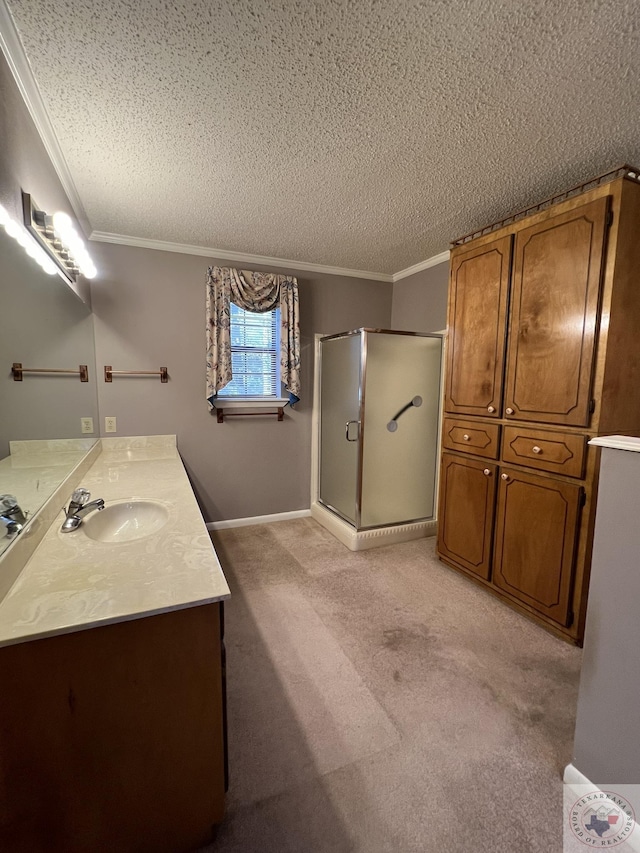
(381, 702)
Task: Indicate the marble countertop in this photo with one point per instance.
(73, 582)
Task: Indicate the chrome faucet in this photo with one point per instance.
(11, 516)
(79, 506)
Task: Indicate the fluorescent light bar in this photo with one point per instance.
(15, 230)
(57, 236)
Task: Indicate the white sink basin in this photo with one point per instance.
(125, 521)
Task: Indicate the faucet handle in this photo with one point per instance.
(8, 502)
(80, 496)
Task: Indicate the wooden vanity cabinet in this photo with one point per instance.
(551, 355)
(112, 738)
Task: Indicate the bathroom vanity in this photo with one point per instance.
(111, 659)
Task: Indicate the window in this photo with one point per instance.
(255, 354)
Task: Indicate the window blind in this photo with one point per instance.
(254, 354)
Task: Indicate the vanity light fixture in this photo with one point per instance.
(14, 229)
(58, 237)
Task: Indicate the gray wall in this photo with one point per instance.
(43, 323)
(149, 310)
(24, 162)
(420, 301)
(607, 746)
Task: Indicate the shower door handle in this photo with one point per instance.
(347, 430)
(392, 426)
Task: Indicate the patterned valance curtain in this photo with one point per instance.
(252, 291)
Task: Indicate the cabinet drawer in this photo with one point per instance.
(557, 452)
(475, 437)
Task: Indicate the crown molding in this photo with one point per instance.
(239, 257)
(442, 258)
(266, 260)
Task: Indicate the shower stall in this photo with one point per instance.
(378, 425)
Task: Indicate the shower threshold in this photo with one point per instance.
(361, 540)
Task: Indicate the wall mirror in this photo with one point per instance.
(43, 324)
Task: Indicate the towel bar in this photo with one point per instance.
(220, 413)
(109, 373)
(17, 370)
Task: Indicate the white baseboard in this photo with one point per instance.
(578, 784)
(258, 519)
(362, 540)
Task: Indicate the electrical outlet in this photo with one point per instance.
(109, 424)
(86, 425)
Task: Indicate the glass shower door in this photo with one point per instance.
(340, 424)
(400, 427)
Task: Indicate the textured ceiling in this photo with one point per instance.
(351, 133)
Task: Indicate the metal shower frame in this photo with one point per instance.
(364, 332)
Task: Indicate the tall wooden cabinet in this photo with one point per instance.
(543, 353)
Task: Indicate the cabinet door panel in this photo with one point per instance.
(467, 500)
(478, 292)
(536, 530)
(554, 310)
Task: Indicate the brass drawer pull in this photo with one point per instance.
(536, 449)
